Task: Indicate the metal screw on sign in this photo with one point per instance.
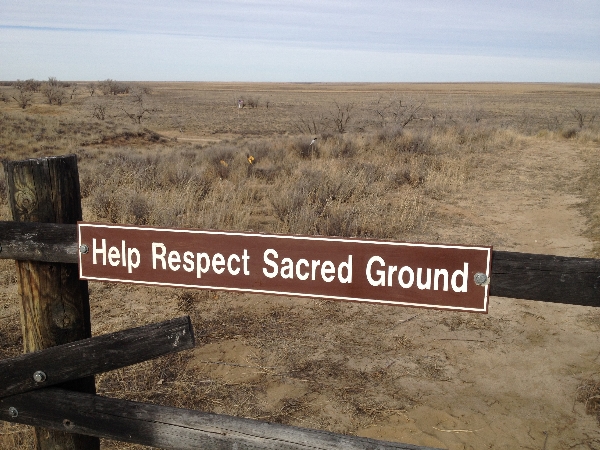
(39, 376)
(481, 279)
(84, 248)
(12, 412)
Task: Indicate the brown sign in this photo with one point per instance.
(394, 273)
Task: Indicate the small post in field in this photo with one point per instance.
(55, 305)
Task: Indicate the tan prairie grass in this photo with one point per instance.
(199, 162)
(349, 186)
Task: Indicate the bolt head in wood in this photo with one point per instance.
(12, 412)
(83, 248)
(39, 376)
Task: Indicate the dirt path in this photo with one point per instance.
(512, 378)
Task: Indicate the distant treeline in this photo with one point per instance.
(107, 87)
(34, 85)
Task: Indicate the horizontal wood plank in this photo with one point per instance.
(95, 355)
(32, 241)
(549, 278)
(171, 428)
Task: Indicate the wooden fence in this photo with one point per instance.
(52, 387)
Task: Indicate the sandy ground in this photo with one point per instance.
(512, 385)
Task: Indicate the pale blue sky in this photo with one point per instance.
(301, 40)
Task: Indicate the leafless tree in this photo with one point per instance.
(581, 117)
(341, 116)
(54, 91)
(137, 110)
(112, 87)
(99, 111)
(395, 112)
(23, 95)
(32, 85)
(310, 125)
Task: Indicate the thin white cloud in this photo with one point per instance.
(528, 30)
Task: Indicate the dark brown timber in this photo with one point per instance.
(171, 428)
(54, 302)
(95, 355)
(30, 241)
(548, 278)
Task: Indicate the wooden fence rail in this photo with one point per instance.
(172, 428)
(549, 278)
(91, 356)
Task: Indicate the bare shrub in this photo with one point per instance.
(112, 87)
(311, 125)
(569, 133)
(23, 95)
(393, 112)
(32, 85)
(582, 116)
(99, 111)
(137, 109)
(340, 116)
(54, 91)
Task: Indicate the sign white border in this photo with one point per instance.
(283, 236)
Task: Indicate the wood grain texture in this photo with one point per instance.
(548, 278)
(46, 242)
(172, 428)
(95, 355)
(54, 302)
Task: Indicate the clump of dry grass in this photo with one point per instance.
(349, 186)
(16, 436)
(588, 393)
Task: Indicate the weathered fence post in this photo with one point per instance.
(54, 302)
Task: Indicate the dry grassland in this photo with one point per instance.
(511, 165)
